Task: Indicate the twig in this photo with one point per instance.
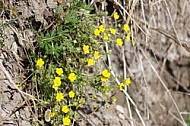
(168, 34)
(125, 76)
(172, 23)
(131, 17)
(118, 82)
(17, 107)
(146, 85)
(163, 107)
(90, 121)
(172, 36)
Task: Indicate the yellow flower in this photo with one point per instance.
(127, 81)
(101, 28)
(55, 87)
(40, 62)
(106, 73)
(126, 27)
(57, 81)
(72, 77)
(59, 97)
(119, 42)
(86, 49)
(52, 114)
(128, 37)
(106, 37)
(97, 32)
(121, 86)
(66, 121)
(90, 62)
(59, 71)
(96, 54)
(114, 99)
(71, 94)
(106, 89)
(116, 16)
(65, 109)
(113, 31)
(104, 79)
(96, 106)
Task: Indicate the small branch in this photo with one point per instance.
(131, 18)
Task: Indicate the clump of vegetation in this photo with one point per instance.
(65, 56)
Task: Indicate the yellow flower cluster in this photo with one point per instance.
(106, 89)
(127, 29)
(100, 29)
(86, 49)
(90, 61)
(57, 83)
(127, 83)
(128, 37)
(105, 75)
(57, 80)
(106, 36)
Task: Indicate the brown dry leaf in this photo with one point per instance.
(62, 16)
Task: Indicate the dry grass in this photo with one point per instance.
(146, 18)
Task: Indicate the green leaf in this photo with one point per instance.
(1, 44)
(59, 10)
(53, 34)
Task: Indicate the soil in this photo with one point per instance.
(158, 64)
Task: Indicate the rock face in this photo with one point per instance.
(154, 53)
(13, 110)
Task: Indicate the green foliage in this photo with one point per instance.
(67, 53)
(187, 119)
(62, 69)
(1, 4)
(70, 34)
(1, 44)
